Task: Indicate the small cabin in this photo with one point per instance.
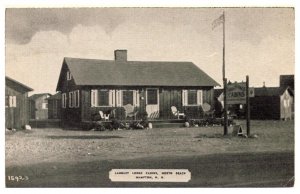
(54, 106)
(272, 103)
(151, 88)
(16, 104)
(38, 106)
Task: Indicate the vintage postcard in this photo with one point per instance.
(149, 97)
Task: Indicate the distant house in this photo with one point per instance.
(38, 106)
(92, 85)
(16, 104)
(267, 103)
(54, 106)
(272, 103)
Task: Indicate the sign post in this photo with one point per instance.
(248, 106)
(225, 108)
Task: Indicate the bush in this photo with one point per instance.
(99, 126)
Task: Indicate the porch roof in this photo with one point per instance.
(136, 73)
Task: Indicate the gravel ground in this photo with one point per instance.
(57, 145)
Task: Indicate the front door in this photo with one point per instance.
(152, 103)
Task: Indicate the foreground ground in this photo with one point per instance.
(61, 158)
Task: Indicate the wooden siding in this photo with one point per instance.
(16, 117)
(167, 98)
(54, 109)
(265, 107)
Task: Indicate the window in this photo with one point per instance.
(192, 97)
(76, 98)
(127, 97)
(64, 100)
(103, 98)
(10, 101)
(71, 99)
(152, 96)
(45, 105)
(69, 75)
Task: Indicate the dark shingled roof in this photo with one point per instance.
(137, 73)
(17, 85)
(36, 96)
(271, 91)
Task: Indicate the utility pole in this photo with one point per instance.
(224, 81)
(247, 106)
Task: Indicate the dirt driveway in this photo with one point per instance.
(48, 147)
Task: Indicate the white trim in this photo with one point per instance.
(12, 101)
(137, 103)
(119, 98)
(113, 98)
(93, 98)
(76, 98)
(199, 97)
(64, 100)
(184, 98)
(71, 99)
(69, 75)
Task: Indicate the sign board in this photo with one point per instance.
(236, 93)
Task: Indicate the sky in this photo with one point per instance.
(259, 41)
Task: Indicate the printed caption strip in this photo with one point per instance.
(150, 175)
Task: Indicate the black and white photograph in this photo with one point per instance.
(109, 97)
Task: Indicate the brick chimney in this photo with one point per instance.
(121, 55)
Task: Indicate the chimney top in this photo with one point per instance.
(121, 55)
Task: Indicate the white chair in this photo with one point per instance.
(176, 112)
(104, 116)
(129, 111)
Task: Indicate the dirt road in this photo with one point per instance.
(265, 169)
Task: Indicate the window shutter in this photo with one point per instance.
(12, 101)
(199, 97)
(74, 99)
(119, 98)
(184, 97)
(63, 102)
(93, 98)
(137, 98)
(78, 98)
(111, 98)
(134, 97)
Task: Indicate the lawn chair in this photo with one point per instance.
(129, 111)
(176, 112)
(207, 111)
(104, 116)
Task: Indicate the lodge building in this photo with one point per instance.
(88, 86)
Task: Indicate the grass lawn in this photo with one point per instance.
(57, 145)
